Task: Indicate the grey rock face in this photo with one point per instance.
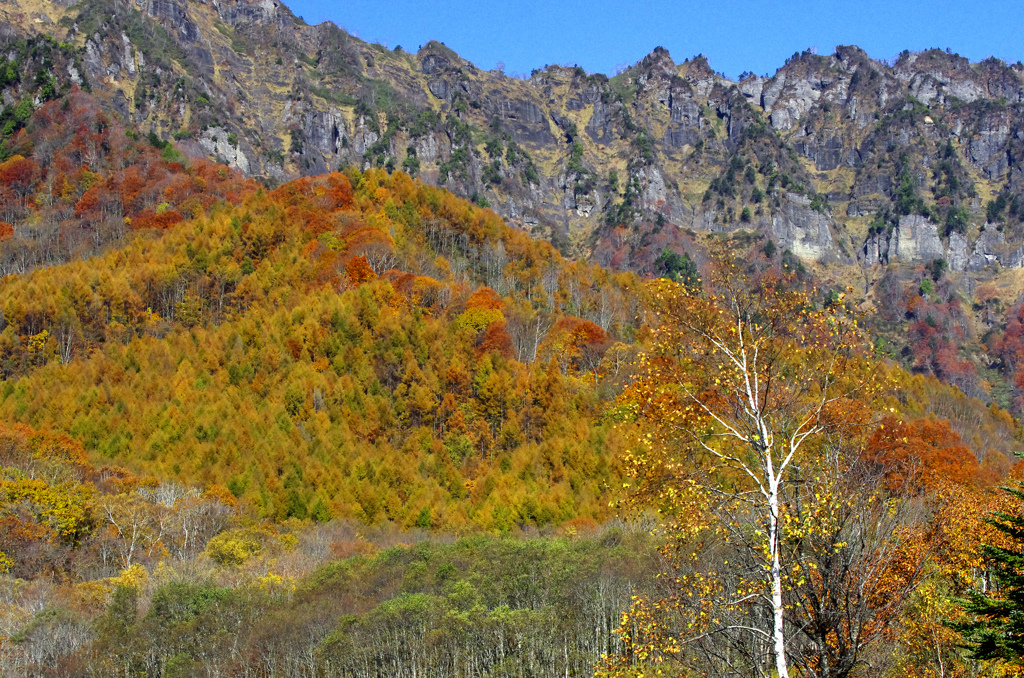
(654, 193)
(175, 14)
(986, 250)
(931, 79)
(864, 206)
(432, 63)
(1014, 259)
(827, 154)
(215, 141)
(121, 104)
(876, 250)
(93, 60)
(803, 231)
(992, 248)
(363, 137)
(128, 60)
(771, 91)
(265, 12)
(684, 122)
(324, 130)
(599, 127)
(957, 256)
(585, 96)
(917, 240)
(925, 88)
(527, 121)
(684, 110)
(987, 148)
(427, 148)
(439, 88)
(966, 90)
(790, 104)
(532, 112)
(751, 88)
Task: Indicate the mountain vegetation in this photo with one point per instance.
(319, 358)
(398, 379)
(901, 176)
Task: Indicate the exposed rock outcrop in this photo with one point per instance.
(807, 155)
(803, 231)
(916, 240)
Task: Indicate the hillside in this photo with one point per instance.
(319, 358)
(355, 344)
(220, 401)
(863, 172)
(259, 349)
(255, 86)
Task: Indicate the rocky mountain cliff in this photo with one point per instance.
(839, 159)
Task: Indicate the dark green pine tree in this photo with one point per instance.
(678, 268)
(997, 630)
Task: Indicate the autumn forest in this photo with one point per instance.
(354, 425)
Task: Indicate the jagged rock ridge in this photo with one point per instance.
(841, 159)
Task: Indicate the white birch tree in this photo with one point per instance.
(742, 387)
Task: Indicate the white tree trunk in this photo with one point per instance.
(778, 628)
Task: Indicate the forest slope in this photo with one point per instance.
(900, 177)
(323, 347)
(212, 389)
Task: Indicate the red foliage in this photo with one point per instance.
(90, 200)
(322, 193)
(339, 191)
(935, 337)
(1010, 349)
(585, 332)
(95, 166)
(401, 282)
(150, 218)
(581, 343)
(496, 338)
(19, 173)
(294, 347)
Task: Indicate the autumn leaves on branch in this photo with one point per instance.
(794, 495)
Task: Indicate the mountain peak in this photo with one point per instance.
(555, 154)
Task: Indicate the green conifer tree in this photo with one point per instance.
(996, 630)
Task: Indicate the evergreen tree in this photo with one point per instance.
(678, 268)
(997, 628)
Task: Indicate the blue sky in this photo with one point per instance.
(736, 35)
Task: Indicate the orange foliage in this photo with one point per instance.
(496, 338)
(109, 178)
(401, 282)
(358, 271)
(578, 344)
(486, 298)
(19, 175)
(118, 479)
(220, 494)
(42, 446)
(921, 452)
(150, 218)
(425, 291)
